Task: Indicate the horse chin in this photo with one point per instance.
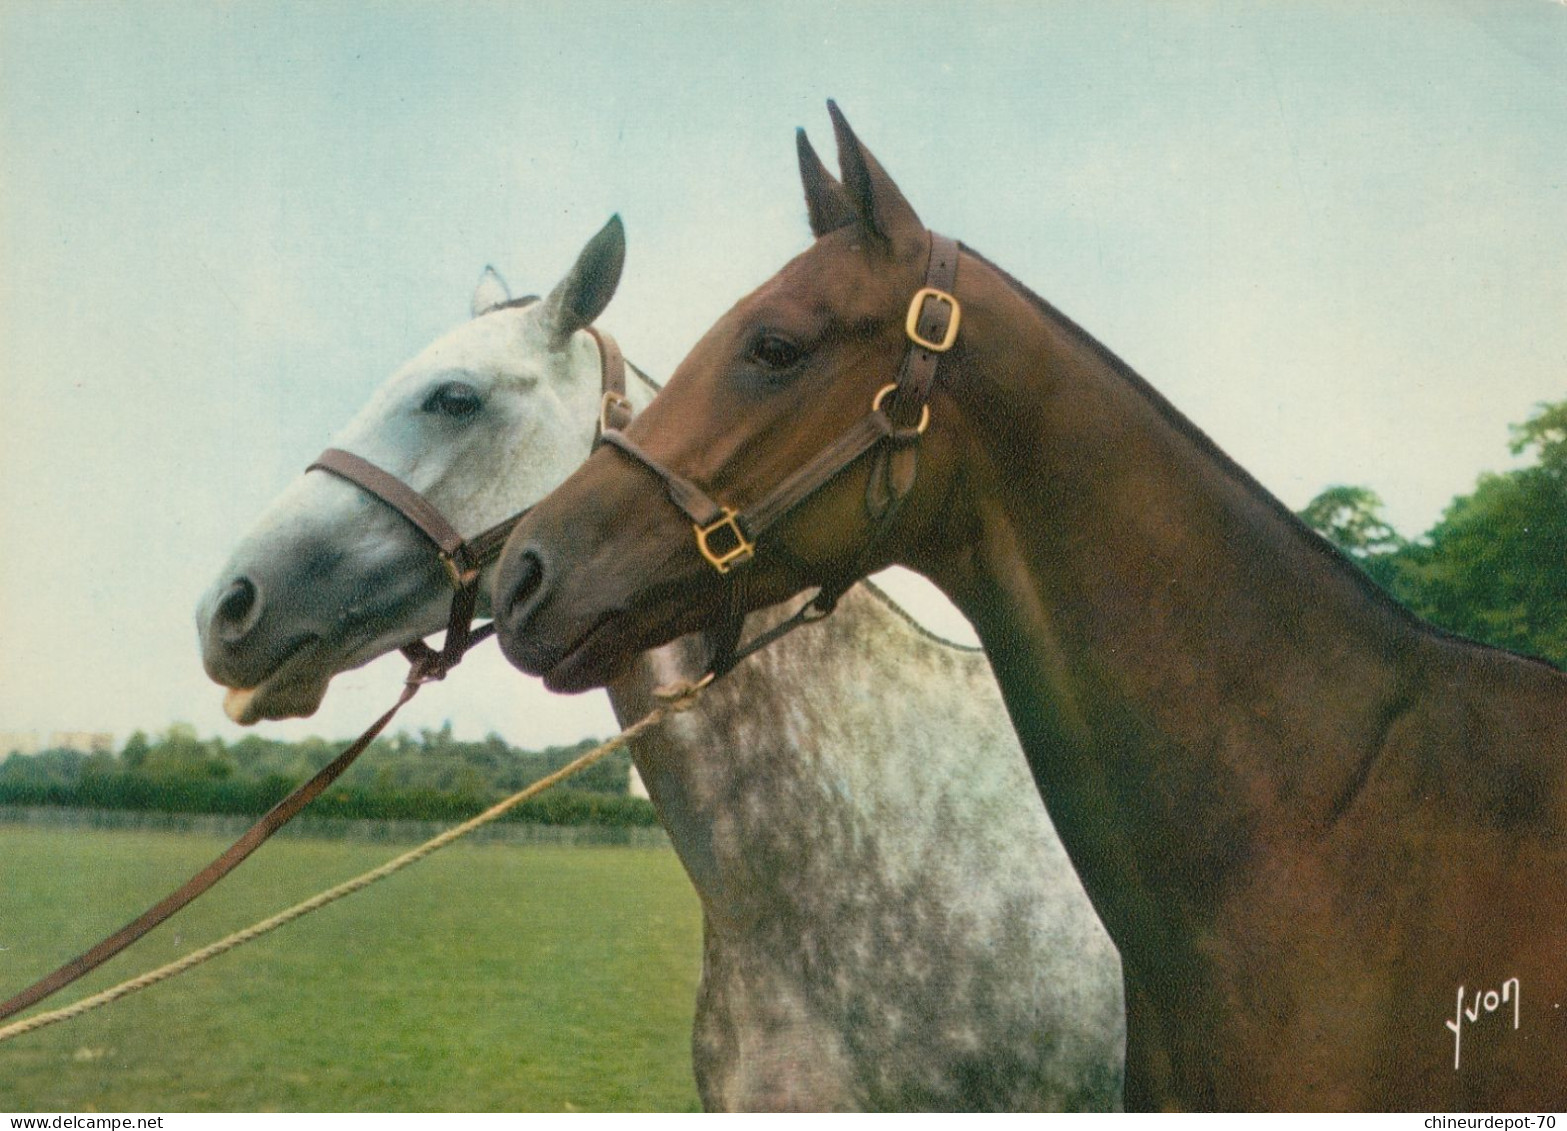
(248, 706)
(598, 656)
(606, 650)
(295, 698)
(592, 663)
(295, 687)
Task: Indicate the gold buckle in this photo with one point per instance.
(911, 324)
(608, 401)
(724, 560)
(881, 395)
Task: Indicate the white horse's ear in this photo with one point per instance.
(491, 292)
(583, 294)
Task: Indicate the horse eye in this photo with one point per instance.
(774, 352)
(454, 399)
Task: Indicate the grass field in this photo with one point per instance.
(490, 977)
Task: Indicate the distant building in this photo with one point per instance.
(636, 787)
(29, 742)
(18, 742)
(83, 741)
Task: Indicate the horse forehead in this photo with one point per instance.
(495, 343)
(833, 277)
(493, 351)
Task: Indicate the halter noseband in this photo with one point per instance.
(464, 558)
(727, 537)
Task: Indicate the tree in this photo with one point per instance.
(1546, 431)
(136, 750)
(180, 754)
(1351, 518)
(1495, 566)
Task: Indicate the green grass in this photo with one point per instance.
(489, 977)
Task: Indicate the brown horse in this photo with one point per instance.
(1329, 840)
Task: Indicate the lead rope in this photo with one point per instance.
(674, 699)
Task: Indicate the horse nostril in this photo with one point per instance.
(521, 590)
(529, 580)
(238, 610)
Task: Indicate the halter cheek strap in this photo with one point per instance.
(727, 537)
(615, 409)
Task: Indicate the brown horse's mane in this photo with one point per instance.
(1310, 539)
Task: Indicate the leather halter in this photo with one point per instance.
(727, 537)
(463, 560)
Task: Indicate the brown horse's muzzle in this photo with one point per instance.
(573, 601)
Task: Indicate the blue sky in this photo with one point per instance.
(1334, 234)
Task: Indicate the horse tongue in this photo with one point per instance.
(237, 705)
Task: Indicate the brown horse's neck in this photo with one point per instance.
(1167, 635)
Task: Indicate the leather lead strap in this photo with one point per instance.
(725, 649)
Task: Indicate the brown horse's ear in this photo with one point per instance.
(825, 200)
(880, 207)
(583, 294)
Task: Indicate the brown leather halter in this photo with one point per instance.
(727, 538)
(463, 560)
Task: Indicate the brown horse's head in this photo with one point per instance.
(609, 565)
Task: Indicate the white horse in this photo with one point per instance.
(889, 919)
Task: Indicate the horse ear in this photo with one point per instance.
(826, 203)
(491, 292)
(880, 207)
(583, 294)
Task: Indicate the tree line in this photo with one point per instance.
(430, 776)
(1494, 567)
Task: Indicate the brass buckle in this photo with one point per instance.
(611, 400)
(911, 324)
(724, 560)
(881, 395)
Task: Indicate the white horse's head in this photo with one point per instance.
(483, 422)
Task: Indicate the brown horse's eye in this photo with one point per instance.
(454, 399)
(774, 352)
